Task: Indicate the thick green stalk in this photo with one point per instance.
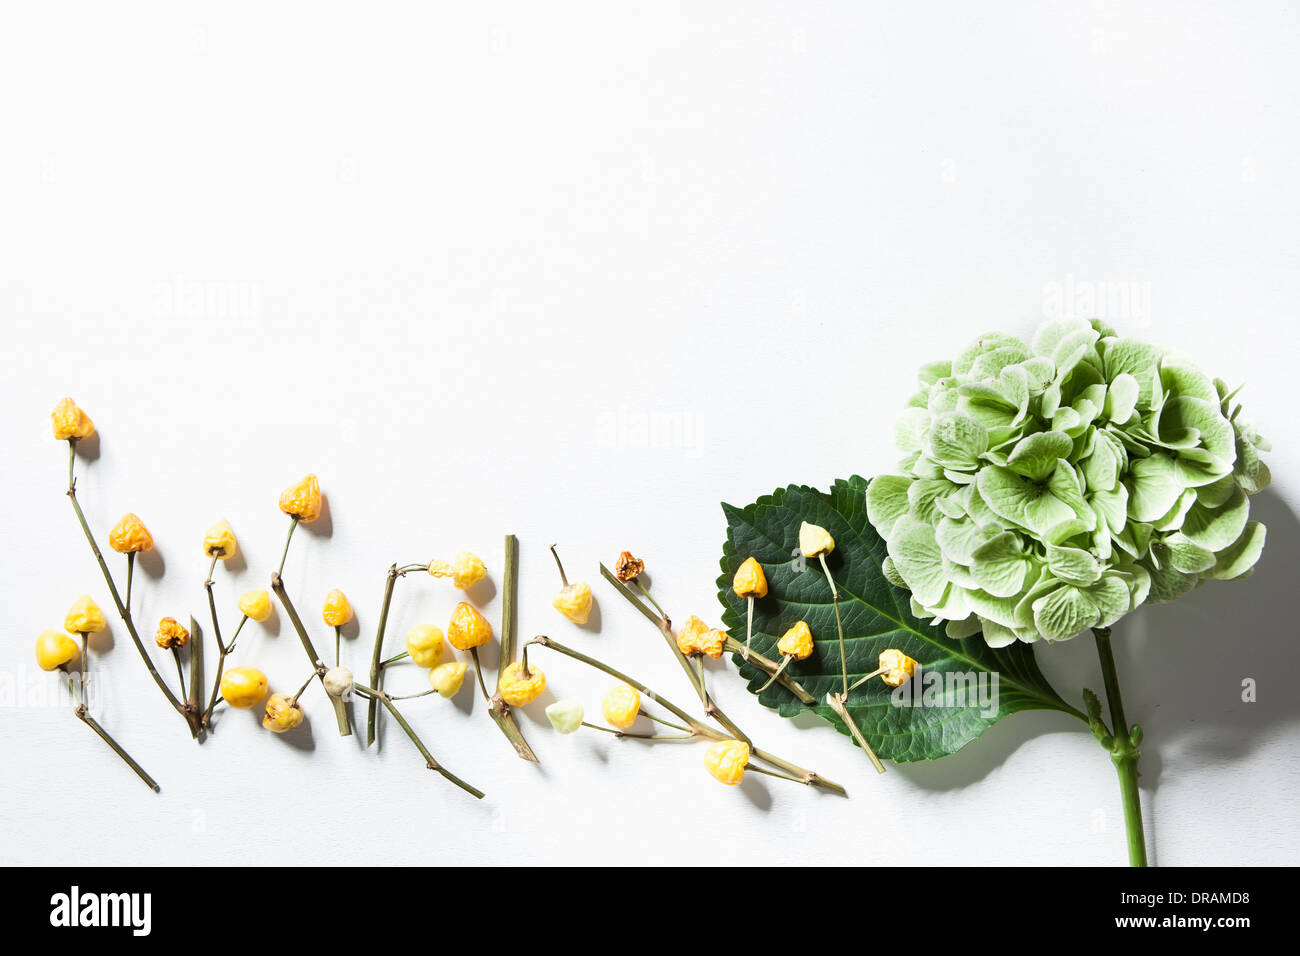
(372, 709)
(498, 709)
(1123, 752)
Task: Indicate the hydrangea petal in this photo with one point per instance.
(1152, 488)
(1035, 456)
(1073, 565)
(1238, 559)
(1064, 612)
(1000, 565)
(919, 562)
(1216, 528)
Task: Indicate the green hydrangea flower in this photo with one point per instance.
(1054, 487)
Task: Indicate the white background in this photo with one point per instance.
(461, 263)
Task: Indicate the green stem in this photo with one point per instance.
(226, 651)
(130, 575)
(763, 663)
(498, 709)
(340, 708)
(430, 762)
(293, 524)
(691, 722)
(372, 709)
(1124, 752)
(509, 601)
(93, 724)
(190, 718)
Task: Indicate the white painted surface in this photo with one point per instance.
(453, 261)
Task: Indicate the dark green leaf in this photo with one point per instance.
(876, 616)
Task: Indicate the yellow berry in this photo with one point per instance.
(726, 760)
(621, 705)
(282, 713)
(130, 535)
(447, 678)
(70, 421)
(814, 540)
(468, 628)
(84, 617)
(519, 689)
(465, 570)
(574, 601)
(243, 687)
(424, 644)
(55, 650)
(171, 634)
(900, 667)
(750, 581)
(219, 541)
(302, 500)
(337, 611)
(256, 604)
(796, 642)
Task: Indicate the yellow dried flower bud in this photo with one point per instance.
(243, 687)
(574, 601)
(814, 540)
(282, 713)
(696, 637)
(219, 541)
(171, 634)
(302, 500)
(84, 617)
(468, 628)
(256, 604)
(726, 760)
(337, 610)
(796, 642)
(55, 650)
(627, 567)
(465, 570)
(424, 644)
(688, 635)
(70, 421)
(130, 535)
(712, 642)
(447, 678)
(621, 705)
(900, 667)
(519, 689)
(750, 581)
